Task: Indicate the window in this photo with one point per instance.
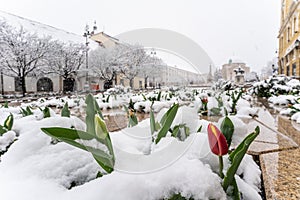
(18, 84)
(281, 66)
(295, 25)
(294, 70)
(122, 82)
(288, 70)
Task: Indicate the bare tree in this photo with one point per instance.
(133, 60)
(22, 53)
(103, 63)
(65, 60)
(130, 60)
(152, 69)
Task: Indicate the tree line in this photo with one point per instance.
(27, 54)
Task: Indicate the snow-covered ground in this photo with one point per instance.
(38, 168)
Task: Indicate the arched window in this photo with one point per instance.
(44, 85)
(295, 30)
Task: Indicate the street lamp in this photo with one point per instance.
(2, 83)
(153, 54)
(87, 34)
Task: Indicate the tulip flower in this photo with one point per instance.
(217, 140)
(204, 100)
(218, 144)
(204, 103)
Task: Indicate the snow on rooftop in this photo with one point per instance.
(43, 29)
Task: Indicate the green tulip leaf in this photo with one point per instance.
(167, 122)
(72, 137)
(2, 130)
(46, 112)
(227, 128)
(152, 122)
(8, 123)
(215, 111)
(29, 112)
(65, 112)
(236, 157)
(133, 121)
(157, 126)
(199, 129)
(92, 108)
(159, 96)
(175, 131)
(236, 192)
(100, 128)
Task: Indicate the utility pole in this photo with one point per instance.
(2, 84)
(87, 34)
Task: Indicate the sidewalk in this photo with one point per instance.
(279, 155)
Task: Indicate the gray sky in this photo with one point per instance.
(223, 28)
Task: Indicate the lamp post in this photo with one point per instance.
(2, 83)
(153, 54)
(87, 34)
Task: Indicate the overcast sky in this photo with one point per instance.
(223, 28)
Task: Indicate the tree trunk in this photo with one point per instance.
(131, 83)
(2, 83)
(23, 86)
(116, 78)
(146, 80)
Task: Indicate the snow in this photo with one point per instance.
(44, 30)
(143, 170)
(251, 173)
(248, 192)
(53, 102)
(282, 99)
(93, 144)
(247, 112)
(6, 140)
(145, 106)
(296, 117)
(293, 83)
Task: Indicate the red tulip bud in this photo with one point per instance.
(217, 140)
(204, 100)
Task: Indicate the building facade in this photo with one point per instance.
(230, 69)
(289, 39)
(54, 83)
(175, 76)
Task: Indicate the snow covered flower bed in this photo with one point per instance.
(282, 93)
(42, 168)
(276, 85)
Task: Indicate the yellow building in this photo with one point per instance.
(289, 39)
(105, 40)
(229, 70)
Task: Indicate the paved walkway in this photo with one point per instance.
(279, 155)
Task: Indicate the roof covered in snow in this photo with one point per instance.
(43, 29)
